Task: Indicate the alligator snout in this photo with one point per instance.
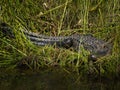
(100, 52)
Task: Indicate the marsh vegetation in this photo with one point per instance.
(101, 18)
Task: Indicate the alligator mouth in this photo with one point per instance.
(94, 57)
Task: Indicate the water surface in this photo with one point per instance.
(54, 80)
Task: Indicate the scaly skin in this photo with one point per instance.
(95, 46)
(42, 40)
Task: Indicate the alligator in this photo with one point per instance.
(96, 47)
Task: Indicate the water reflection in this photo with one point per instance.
(54, 80)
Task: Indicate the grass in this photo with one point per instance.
(62, 17)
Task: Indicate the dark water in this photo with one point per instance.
(54, 80)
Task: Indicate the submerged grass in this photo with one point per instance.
(62, 17)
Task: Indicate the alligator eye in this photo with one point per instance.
(103, 46)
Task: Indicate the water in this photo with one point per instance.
(54, 80)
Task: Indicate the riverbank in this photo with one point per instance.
(65, 17)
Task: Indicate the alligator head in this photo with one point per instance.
(97, 47)
(99, 51)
